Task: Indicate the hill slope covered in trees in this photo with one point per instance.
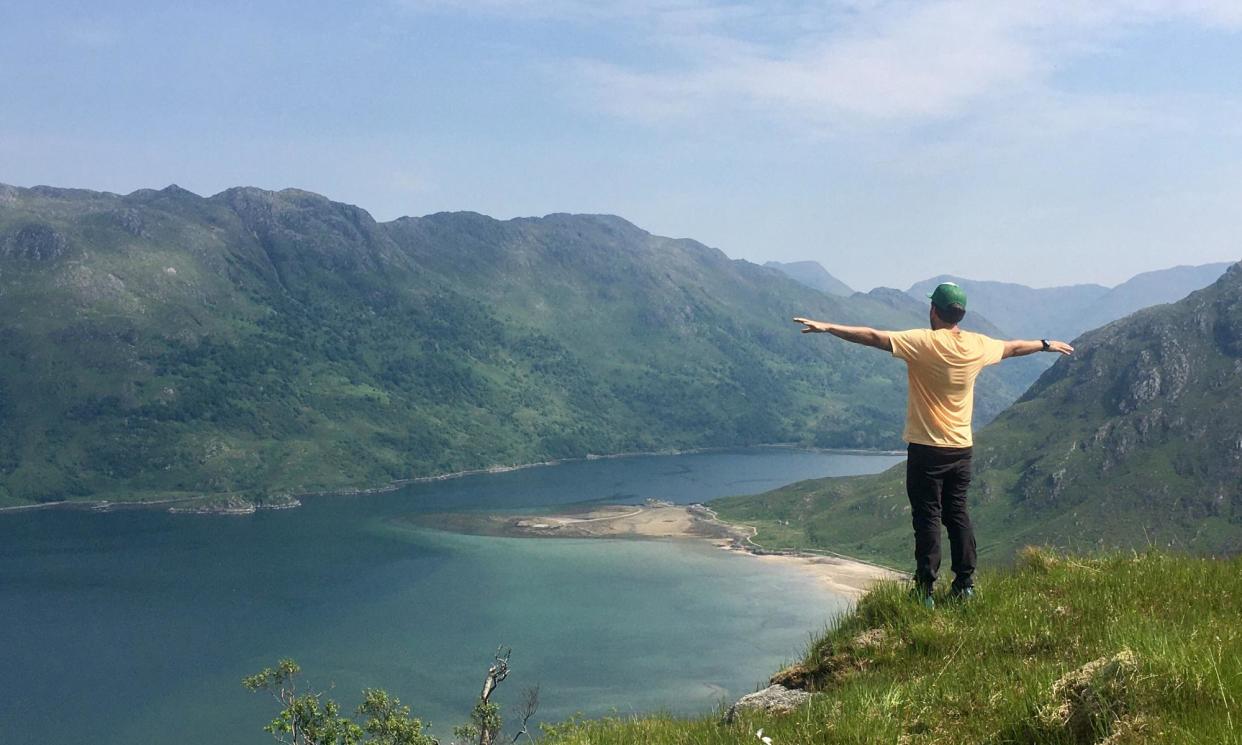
(163, 344)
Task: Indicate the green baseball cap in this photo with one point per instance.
(947, 294)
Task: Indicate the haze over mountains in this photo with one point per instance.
(813, 275)
(1014, 310)
(1065, 312)
(166, 344)
(1135, 440)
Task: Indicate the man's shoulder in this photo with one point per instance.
(969, 337)
(910, 343)
(988, 349)
(912, 337)
(912, 333)
(976, 336)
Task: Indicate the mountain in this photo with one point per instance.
(1065, 312)
(1025, 312)
(1135, 440)
(161, 344)
(813, 275)
(1149, 288)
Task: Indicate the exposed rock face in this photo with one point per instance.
(774, 699)
(1143, 420)
(132, 222)
(35, 243)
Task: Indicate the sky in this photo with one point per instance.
(1045, 143)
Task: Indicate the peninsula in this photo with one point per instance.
(656, 520)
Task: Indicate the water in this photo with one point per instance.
(137, 626)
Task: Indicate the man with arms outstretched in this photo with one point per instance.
(941, 363)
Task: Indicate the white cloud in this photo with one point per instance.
(844, 64)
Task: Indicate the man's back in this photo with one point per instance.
(941, 368)
(942, 363)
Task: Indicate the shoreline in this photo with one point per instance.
(106, 505)
(659, 520)
(843, 574)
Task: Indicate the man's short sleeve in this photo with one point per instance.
(993, 350)
(906, 345)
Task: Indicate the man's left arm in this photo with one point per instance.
(868, 337)
(1023, 347)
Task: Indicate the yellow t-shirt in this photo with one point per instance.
(942, 366)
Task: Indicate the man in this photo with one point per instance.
(941, 363)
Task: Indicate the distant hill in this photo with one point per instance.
(163, 344)
(813, 275)
(1135, 440)
(1065, 312)
(1147, 289)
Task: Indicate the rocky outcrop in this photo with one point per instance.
(774, 699)
(132, 222)
(35, 242)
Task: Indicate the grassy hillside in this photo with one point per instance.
(1128, 649)
(1135, 440)
(164, 344)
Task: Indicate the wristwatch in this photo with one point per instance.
(1047, 346)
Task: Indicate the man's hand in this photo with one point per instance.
(812, 326)
(1060, 346)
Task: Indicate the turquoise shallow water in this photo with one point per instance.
(138, 626)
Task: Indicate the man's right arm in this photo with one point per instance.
(1023, 347)
(868, 337)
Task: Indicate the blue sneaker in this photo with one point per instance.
(923, 595)
(962, 593)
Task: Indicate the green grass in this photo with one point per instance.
(984, 671)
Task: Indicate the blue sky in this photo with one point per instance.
(1038, 142)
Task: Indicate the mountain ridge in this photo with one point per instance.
(163, 344)
(1066, 311)
(813, 275)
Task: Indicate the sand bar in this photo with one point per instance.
(662, 520)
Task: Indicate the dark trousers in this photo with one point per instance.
(936, 483)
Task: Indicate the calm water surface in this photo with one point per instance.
(137, 626)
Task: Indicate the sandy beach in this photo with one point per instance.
(662, 520)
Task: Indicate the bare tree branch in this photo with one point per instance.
(530, 704)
